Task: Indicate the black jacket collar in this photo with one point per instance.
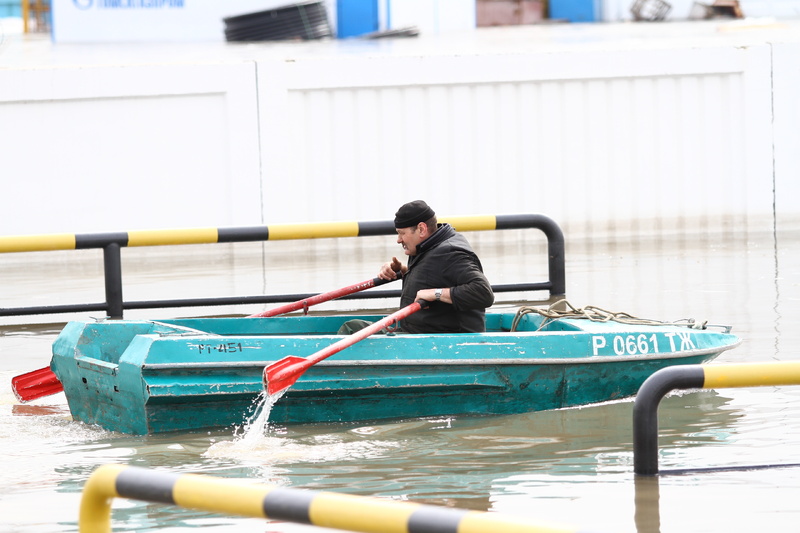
(442, 233)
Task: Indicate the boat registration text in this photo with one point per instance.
(643, 344)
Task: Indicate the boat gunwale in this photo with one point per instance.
(627, 329)
(450, 362)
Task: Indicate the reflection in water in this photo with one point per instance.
(40, 410)
(647, 516)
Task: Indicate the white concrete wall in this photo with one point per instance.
(657, 139)
(621, 136)
(107, 148)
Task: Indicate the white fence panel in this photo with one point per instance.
(108, 148)
(607, 140)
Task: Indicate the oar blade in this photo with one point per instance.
(36, 384)
(283, 374)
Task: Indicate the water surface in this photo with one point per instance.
(567, 466)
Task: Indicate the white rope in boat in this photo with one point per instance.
(564, 309)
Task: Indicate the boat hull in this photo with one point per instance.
(151, 377)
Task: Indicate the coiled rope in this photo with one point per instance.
(564, 309)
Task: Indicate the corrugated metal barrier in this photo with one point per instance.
(111, 243)
(323, 509)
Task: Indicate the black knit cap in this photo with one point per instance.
(413, 213)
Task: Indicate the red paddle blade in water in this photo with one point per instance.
(36, 384)
(282, 374)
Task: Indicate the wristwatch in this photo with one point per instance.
(438, 294)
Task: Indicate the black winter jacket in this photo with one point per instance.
(446, 260)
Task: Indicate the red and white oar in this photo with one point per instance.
(324, 297)
(44, 382)
(283, 374)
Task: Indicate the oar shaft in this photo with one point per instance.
(44, 382)
(320, 298)
(299, 368)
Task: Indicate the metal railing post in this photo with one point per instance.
(645, 412)
(112, 267)
(658, 385)
(555, 255)
(556, 270)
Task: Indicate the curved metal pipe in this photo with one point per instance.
(658, 385)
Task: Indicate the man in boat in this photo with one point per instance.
(443, 270)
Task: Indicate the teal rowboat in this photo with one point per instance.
(142, 377)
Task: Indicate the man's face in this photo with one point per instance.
(409, 238)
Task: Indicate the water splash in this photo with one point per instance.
(255, 442)
(257, 425)
(253, 434)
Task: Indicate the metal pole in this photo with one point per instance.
(555, 246)
(112, 265)
(555, 254)
(645, 412)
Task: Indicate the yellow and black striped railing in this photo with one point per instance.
(716, 376)
(111, 243)
(323, 509)
(276, 232)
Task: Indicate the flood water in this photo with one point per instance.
(571, 466)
